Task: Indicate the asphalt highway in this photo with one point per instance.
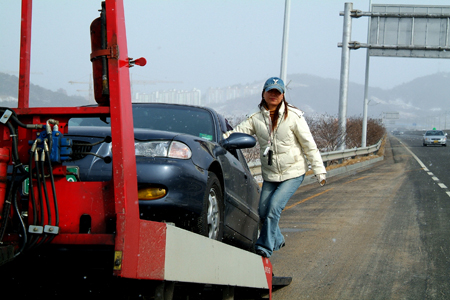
(376, 233)
(379, 233)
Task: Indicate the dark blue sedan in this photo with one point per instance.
(188, 174)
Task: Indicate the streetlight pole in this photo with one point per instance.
(445, 122)
(345, 68)
(284, 49)
(366, 88)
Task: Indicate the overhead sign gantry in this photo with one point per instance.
(419, 31)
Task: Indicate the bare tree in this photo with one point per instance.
(326, 132)
(354, 132)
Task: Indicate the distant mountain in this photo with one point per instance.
(39, 97)
(414, 100)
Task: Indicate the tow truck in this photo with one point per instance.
(42, 206)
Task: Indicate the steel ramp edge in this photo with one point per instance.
(173, 254)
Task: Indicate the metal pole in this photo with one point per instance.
(345, 66)
(284, 48)
(445, 123)
(366, 87)
(25, 55)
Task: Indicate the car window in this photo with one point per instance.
(434, 132)
(229, 127)
(242, 159)
(189, 120)
(224, 125)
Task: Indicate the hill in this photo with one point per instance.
(39, 96)
(416, 100)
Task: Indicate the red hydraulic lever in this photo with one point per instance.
(139, 61)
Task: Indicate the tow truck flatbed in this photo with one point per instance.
(141, 251)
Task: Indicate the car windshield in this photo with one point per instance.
(435, 132)
(190, 120)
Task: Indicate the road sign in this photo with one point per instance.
(409, 31)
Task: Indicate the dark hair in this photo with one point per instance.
(275, 118)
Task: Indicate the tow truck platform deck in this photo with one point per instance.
(145, 252)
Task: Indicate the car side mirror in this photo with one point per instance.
(238, 140)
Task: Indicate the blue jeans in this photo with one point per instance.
(274, 196)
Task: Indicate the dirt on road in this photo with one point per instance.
(355, 238)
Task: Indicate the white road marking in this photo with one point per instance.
(418, 160)
(425, 168)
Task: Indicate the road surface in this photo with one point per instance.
(381, 233)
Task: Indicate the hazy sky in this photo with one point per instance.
(203, 43)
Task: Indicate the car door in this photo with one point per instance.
(238, 213)
(241, 209)
(253, 189)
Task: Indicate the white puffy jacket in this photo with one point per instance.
(291, 143)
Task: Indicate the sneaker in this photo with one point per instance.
(261, 253)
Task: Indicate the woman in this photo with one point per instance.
(285, 141)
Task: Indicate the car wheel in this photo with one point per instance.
(211, 220)
(424, 145)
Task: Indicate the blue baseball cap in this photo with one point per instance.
(274, 83)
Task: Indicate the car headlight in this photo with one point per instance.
(163, 149)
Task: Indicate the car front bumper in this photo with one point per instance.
(184, 182)
(435, 142)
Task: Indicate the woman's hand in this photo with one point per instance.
(322, 179)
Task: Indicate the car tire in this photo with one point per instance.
(210, 222)
(424, 145)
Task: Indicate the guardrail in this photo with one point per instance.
(255, 167)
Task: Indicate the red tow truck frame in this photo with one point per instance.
(142, 249)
